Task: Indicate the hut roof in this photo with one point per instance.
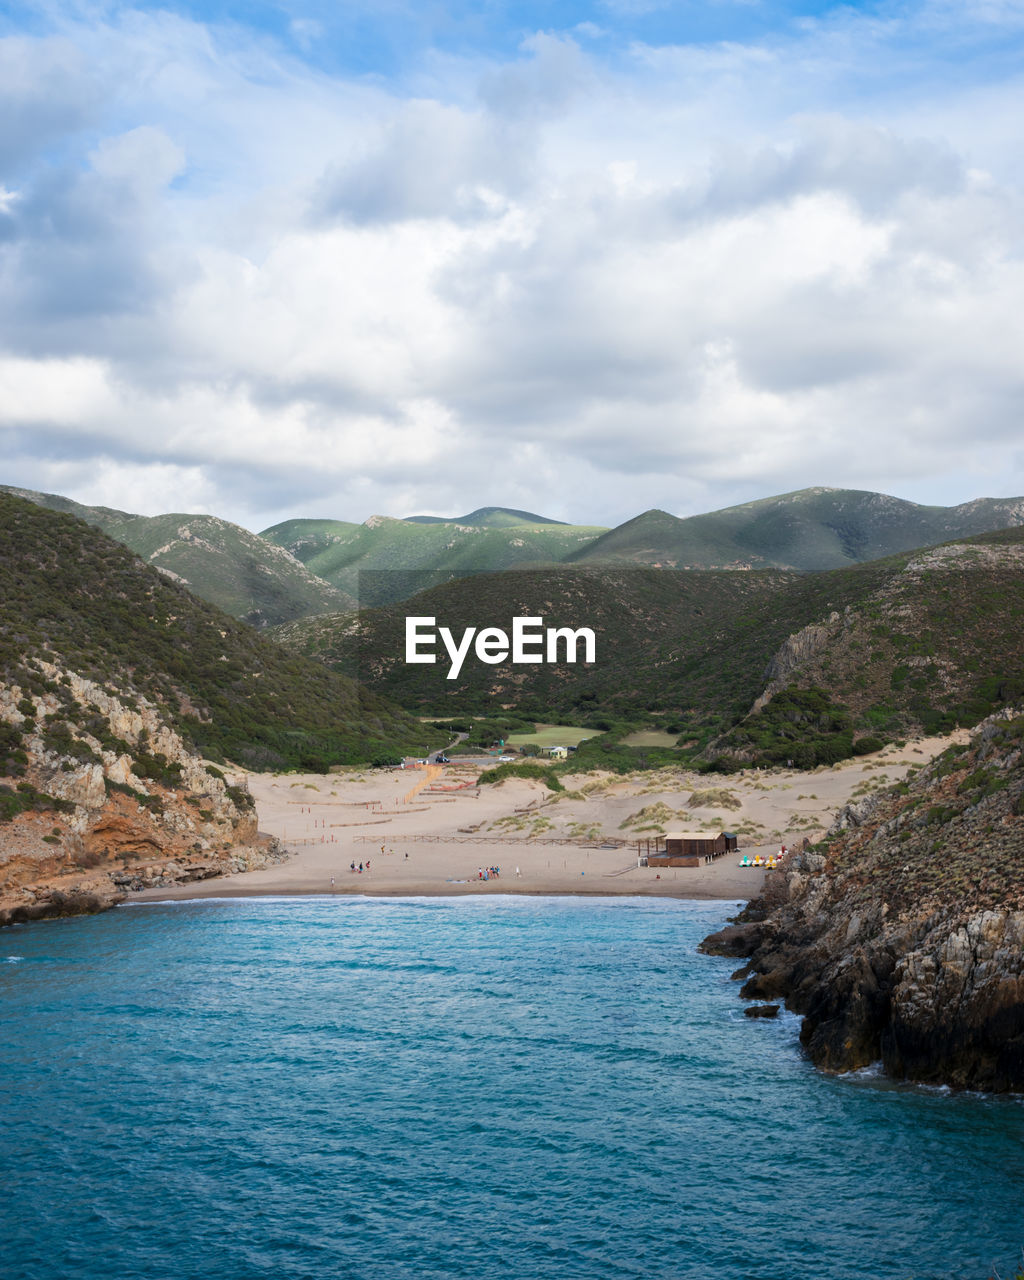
(692, 835)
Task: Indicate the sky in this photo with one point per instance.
(334, 258)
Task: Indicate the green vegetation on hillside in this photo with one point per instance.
(800, 728)
(918, 642)
(689, 645)
(68, 590)
(386, 560)
(535, 772)
(810, 529)
(844, 659)
(218, 561)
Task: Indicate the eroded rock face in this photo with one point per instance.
(904, 941)
(977, 974)
(794, 652)
(101, 828)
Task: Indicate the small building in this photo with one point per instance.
(557, 753)
(691, 848)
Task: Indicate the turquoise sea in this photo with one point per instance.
(499, 1087)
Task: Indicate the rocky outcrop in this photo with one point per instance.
(926, 627)
(762, 1010)
(902, 941)
(796, 650)
(103, 797)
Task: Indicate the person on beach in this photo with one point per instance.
(360, 868)
(352, 865)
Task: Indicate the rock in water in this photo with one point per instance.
(762, 1011)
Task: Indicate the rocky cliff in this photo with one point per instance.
(901, 937)
(99, 795)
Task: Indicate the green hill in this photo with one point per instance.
(101, 517)
(810, 529)
(72, 594)
(934, 645)
(765, 666)
(221, 562)
(659, 639)
(384, 560)
(487, 518)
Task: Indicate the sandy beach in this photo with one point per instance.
(432, 831)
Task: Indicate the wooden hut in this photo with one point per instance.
(689, 848)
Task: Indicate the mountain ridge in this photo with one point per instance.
(807, 529)
(307, 567)
(489, 517)
(224, 563)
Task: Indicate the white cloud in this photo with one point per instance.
(143, 158)
(48, 91)
(430, 161)
(152, 487)
(682, 277)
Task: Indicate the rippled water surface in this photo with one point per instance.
(500, 1087)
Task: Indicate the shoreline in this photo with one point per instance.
(221, 888)
(156, 898)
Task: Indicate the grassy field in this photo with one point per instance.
(554, 735)
(651, 738)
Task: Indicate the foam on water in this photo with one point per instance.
(496, 1087)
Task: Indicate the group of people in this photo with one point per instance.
(488, 873)
(352, 867)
